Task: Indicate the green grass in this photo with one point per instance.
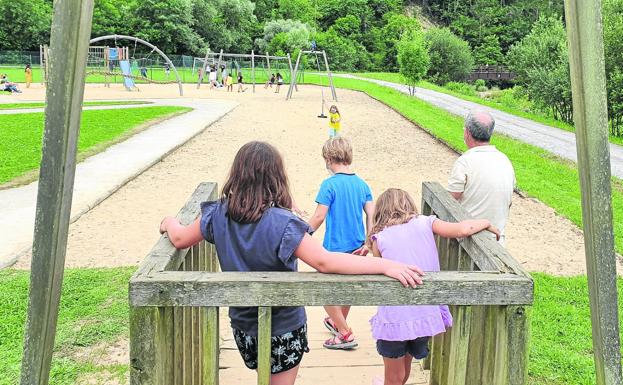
(21, 134)
(21, 106)
(94, 310)
(397, 78)
(541, 174)
(561, 350)
(16, 74)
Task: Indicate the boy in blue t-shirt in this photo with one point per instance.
(342, 200)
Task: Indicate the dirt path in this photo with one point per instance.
(389, 152)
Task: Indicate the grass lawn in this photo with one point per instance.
(94, 312)
(21, 106)
(21, 134)
(16, 74)
(541, 174)
(397, 78)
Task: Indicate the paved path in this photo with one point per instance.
(552, 139)
(155, 102)
(99, 176)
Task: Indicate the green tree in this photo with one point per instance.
(230, 24)
(290, 36)
(302, 10)
(111, 17)
(343, 54)
(383, 41)
(167, 24)
(541, 63)
(413, 59)
(26, 24)
(489, 51)
(613, 44)
(450, 56)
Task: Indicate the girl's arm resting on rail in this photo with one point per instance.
(464, 228)
(311, 252)
(182, 236)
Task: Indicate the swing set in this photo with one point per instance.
(232, 62)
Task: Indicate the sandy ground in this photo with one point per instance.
(389, 152)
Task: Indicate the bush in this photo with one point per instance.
(461, 88)
(450, 57)
(480, 85)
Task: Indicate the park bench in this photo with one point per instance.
(175, 297)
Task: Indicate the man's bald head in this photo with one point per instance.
(480, 125)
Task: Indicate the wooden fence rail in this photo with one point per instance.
(175, 298)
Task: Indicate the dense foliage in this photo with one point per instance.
(541, 63)
(413, 59)
(450, 57)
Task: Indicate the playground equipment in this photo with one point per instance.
(233, 61)
(169, 306)
(104, 60)
(293, 80)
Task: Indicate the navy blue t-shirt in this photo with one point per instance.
(265, 245)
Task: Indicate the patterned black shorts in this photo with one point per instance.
(286, 349)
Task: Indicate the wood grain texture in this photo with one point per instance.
(590, 115)
(314, 289)
(71, 29)
(264, 316)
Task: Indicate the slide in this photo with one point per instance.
(128, 81)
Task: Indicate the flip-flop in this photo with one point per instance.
(329, 325)
(344, 344)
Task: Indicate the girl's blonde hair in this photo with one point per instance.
(393, 207)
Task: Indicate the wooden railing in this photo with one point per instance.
(175, 297)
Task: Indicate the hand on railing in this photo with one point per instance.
(408, 275)
(495, 231)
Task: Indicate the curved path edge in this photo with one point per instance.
(100, 175)
(552, 139)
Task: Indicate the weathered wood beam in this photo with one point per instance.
(164, 256)
(590, 115)
(71, 28)
(488, 254)
(314, 289)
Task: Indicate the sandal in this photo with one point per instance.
(331, 326)
(341, 341)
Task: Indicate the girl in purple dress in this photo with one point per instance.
(398, 233)
(254, 229)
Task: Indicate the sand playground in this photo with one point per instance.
(389, 151)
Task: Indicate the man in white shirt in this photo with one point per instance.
(483, 179)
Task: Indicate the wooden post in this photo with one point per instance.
(326, 63)
(268, 62)
(71, 28)
(211, 346)
(590, 114)
(253, 69)
(263, 345)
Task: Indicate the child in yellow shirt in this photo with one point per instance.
(229, 82)
(334, 121)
